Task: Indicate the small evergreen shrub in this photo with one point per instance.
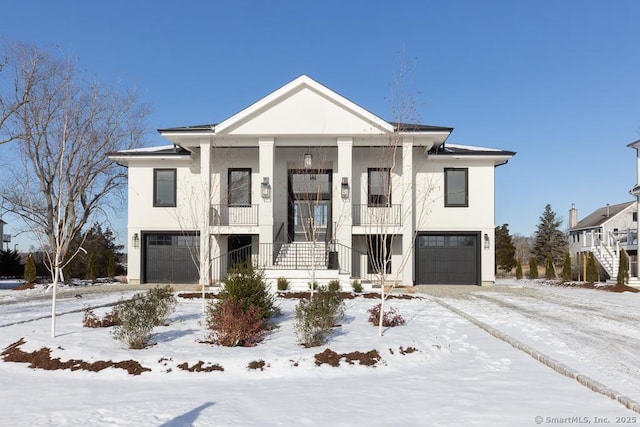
(519, 270)
(548, 268)
(623, 269)
(315, 317)
(137, 318)
(356, 286)
(165, 302)
(282, 284)
(334, 285)
(246, 284)
(313, 285)
(231, 324)
(91, 267)
(592, 270)
(30, 274)
(390, 318)
(533, 268)
(566, 267)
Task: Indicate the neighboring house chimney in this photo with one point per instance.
(573, 216)
(608, 211)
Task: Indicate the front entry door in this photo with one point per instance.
(311, 219)
(309, 205)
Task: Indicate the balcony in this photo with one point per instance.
(233, 216)
(365, 215)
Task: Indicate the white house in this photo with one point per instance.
(605, 232)
(306, 183)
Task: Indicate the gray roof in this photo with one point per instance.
(600, 216)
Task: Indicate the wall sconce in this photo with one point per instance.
(135, 240)
(486, 241)
(344, 188)
(307, 160)
(265, 188)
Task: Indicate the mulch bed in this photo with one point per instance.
(191, 295)
(330, 357)
(608, 288)
(41, 359)
(24, 286)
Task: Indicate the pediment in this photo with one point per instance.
(304, 107)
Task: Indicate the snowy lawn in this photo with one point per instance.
(459, 375)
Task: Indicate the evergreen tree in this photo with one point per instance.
(533, 268)
(505, 249)
(548, 268)
(101, 243)
(566, 267)
(10, 263)
(623, 269)
(30, 274)
(91, 267)
(519, 270)
(111, 267)
(548, 239)
(592, 270)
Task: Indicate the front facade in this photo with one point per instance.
(308, 185)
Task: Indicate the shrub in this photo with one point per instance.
(334, 285)
(90, 320)
(592, 270)
(519, 270)
(549, 272)
(231, 324)
(356, 286)
(30, 274)
(533, 268)
(316, 316)
(566, 267)
(390, 318)
(623, 269)
(164, 301)
(313, 285)
(244, 283)
(136, 318)
(283, 284)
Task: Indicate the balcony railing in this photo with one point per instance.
(234, 215)
(377, 215)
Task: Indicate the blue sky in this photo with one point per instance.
(556, 81)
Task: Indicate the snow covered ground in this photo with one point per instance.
(459, 376)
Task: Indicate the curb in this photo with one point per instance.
(561, 368)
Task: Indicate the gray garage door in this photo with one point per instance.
(450, 259)
(168, 258)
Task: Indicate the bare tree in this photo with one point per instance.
(64, 133)
(389, 190)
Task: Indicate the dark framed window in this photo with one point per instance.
(379, 246)
(239, 190)
(164, 187)
(456, 187)
(379, 186)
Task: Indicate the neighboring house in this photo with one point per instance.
(305, 182)
(605, 232)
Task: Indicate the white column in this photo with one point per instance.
(265, 209)
(408, 226)
(342, 209)
(637, 272)
(205, 226)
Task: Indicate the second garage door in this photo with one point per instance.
(447, 258)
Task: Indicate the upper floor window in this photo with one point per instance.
(379, 186)
(456, 187)
(164, 187)
(239, 189)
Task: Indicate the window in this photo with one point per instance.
(379, 186)
(239, 187)
(456, 187)
(164, 187)
(379, 246)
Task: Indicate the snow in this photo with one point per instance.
(460, 374)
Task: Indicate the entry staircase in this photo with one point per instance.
(298, 262)
(607, 252)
